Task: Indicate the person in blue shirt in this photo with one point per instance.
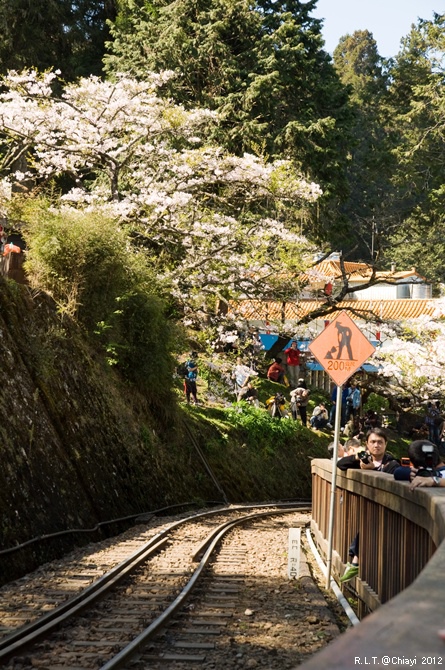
(353, 402)
(190, 378)
(241, 374)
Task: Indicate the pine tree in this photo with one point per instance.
(417, 105)
(369, 207)
(65, 34)
(261, 65)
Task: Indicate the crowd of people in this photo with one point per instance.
(366, 446)
(288, 373)
(424, 468)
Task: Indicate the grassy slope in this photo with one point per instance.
(254, 456)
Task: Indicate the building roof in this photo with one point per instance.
(330, 270)
(367, 310)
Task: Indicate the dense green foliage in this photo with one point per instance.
(397, 168)
(369, 171)
(257, 424)
(88, 267)
(54, 34)
(417, 105)
(369, 131)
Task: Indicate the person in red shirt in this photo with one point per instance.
(276, 371)
(293, 363)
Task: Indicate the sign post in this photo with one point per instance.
(341, 349)
(294, 551)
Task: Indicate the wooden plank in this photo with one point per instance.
(184, 644)
(185, 658)
(206, 622)
(198, 630)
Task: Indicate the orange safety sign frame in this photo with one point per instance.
(341, 348)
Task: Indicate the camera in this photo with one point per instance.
(428, 468)
(427, 472)
(364, 456)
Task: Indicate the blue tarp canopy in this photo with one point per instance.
(268, 340)
(368, 367)
(313, 365)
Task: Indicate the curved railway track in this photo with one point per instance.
(162, 594)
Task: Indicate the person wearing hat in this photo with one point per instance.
(299, 399)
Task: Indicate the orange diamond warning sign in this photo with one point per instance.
(341, 348)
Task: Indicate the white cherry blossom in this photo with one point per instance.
(213, 225)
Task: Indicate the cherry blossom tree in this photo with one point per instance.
(213, 225)
(412, 357)
(209, 225)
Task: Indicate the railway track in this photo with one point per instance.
(169, 595)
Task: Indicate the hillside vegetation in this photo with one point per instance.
(80, 445)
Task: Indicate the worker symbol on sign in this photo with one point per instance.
(344, 340)
(344, 334)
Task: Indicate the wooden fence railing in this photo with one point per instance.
(402, 564)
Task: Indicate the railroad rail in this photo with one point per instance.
(109, 623)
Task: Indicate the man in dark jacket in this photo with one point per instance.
(376, 458)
